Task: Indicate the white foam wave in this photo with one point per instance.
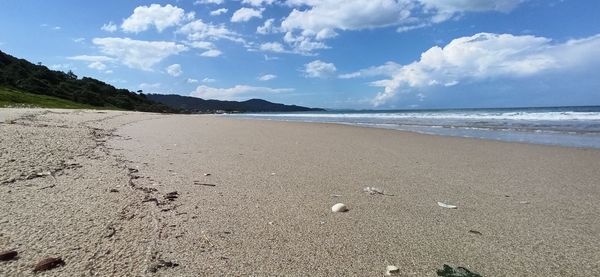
(529, 116)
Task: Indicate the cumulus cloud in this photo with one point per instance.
(483, 56)
(138, 54)
(94, 62)
(174, 70)
(198, 30)
(388, 69)
(201, 2)
(267, 77)
(258, 3)
(319, 69)
(211, 53)
(191, 81)
(443, 10)
(219, 11)
(88, 58)
(235, 93)
(312, 21)
(267, 28)
(161, 17)
(245, 14)
(109, 27)
(273, 47)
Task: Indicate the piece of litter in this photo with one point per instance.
(373, 190)
(339, 208)
(523, 202)
(391, 270)
(196, 183)
(475, 232)
(448, 271)
(206, 174)
(272, 173)
(447, 206)
(336, 195)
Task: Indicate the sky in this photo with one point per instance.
(369, 54)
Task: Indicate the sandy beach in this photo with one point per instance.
(137, 194)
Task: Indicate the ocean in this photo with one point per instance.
(564, 126)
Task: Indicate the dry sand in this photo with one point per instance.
(537, 207)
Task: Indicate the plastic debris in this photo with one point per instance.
(373, 190)
(475, 232)
(392, 270)
(339, 208)
(448, 271)
(447, 206)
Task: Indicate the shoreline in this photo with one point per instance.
(181, 195)
(372, 126)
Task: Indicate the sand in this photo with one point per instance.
(90, 187)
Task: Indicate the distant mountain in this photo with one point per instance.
(20, 75)
(194, 104)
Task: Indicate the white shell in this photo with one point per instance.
(447, 206)
(339, 208)
(392, 270)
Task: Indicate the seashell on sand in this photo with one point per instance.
(339, 208)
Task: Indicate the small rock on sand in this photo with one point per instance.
(48, 263)
(8, 255)
(339, 208)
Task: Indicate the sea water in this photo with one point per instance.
(565, 126)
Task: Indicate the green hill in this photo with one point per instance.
(14, 98)
(65, 89)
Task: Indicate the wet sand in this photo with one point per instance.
(92, 187)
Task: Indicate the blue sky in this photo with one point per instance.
(327, 53)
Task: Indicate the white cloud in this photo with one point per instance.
(174, 70)
(109, 27)
(138, 53)
(312, 21)
(235, 93)
(151, 86)
(388, 69)
(444, 10)
(191, 81)
(267, 27)
(273, 47)
(480, 57)
(198, 30)
(211, 53)
(258, 3)
(78, 40)
(319, 69)
(88, 58)
(61, 67)
(267, 77)
(161, 17)
(302, 44)
(98, 66)
(202, 44)
(245, 14)
(201, 2)
(346, 15)
(208, 80)
(219, 11)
